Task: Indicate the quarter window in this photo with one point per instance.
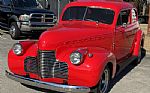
(134, 15)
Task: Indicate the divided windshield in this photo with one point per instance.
(25, 3)
(82, 13)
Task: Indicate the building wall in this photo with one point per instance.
(55, 6)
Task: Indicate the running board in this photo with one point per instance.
(124, 64)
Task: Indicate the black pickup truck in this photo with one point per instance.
(25, 16)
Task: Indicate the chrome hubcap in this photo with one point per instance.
(104, 81)
(12, 30)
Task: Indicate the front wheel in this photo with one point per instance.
(14, 31)
(103, 84)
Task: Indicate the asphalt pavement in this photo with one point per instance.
(134, 79)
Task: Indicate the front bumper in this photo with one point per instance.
(47, 85)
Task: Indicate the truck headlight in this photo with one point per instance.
(24, 18)
(76, 58)
(17, 49)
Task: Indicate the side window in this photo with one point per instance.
(7, 2)
(119, 21)
(124, 17)
(134, 15)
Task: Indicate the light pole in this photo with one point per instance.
(58, 9)
(148, 29)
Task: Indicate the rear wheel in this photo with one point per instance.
(14, 31)
(103, 84)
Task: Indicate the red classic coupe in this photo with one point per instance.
(93, 41)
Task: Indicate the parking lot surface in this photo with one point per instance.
(134, 79)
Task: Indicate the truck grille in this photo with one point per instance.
(49, 67)
(43, 18)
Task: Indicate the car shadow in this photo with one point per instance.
(124, 72)
(40, 89)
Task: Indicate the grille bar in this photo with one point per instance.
(30, 65)
(42, 17)
(49, 67)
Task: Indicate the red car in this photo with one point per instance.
(92, 42)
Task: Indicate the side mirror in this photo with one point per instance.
(124, 25)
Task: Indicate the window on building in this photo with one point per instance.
(1, 2)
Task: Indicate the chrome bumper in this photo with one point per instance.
(34, 26)
(47, 85)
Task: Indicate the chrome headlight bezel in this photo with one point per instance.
(17, 49)
(76, 58)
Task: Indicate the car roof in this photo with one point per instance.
(114, 5)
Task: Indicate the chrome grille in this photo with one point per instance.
(49, 67)
(41, 17)
(31, 65)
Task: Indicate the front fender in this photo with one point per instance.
(90, 71)
(139, 37)
(16, 63)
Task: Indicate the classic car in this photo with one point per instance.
(93, 41)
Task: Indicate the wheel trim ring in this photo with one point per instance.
(105, 80)
(12, 31)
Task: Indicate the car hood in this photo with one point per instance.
(29, 10)
(72, 34)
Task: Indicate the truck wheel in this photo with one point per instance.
(103, 84)
(14, 31)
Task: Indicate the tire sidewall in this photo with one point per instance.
(98, 90)
(16, 33)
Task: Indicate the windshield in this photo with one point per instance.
(25, 3)
(101, 15)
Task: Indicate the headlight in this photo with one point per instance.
(17, 49)
(24, 18)
(76, 58)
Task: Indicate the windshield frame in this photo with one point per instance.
(90, 7)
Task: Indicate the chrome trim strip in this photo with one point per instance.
(46, 85)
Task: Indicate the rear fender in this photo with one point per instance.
(139, 37)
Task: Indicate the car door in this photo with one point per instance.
(123, 35)
(5, 10)
(132, 28)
